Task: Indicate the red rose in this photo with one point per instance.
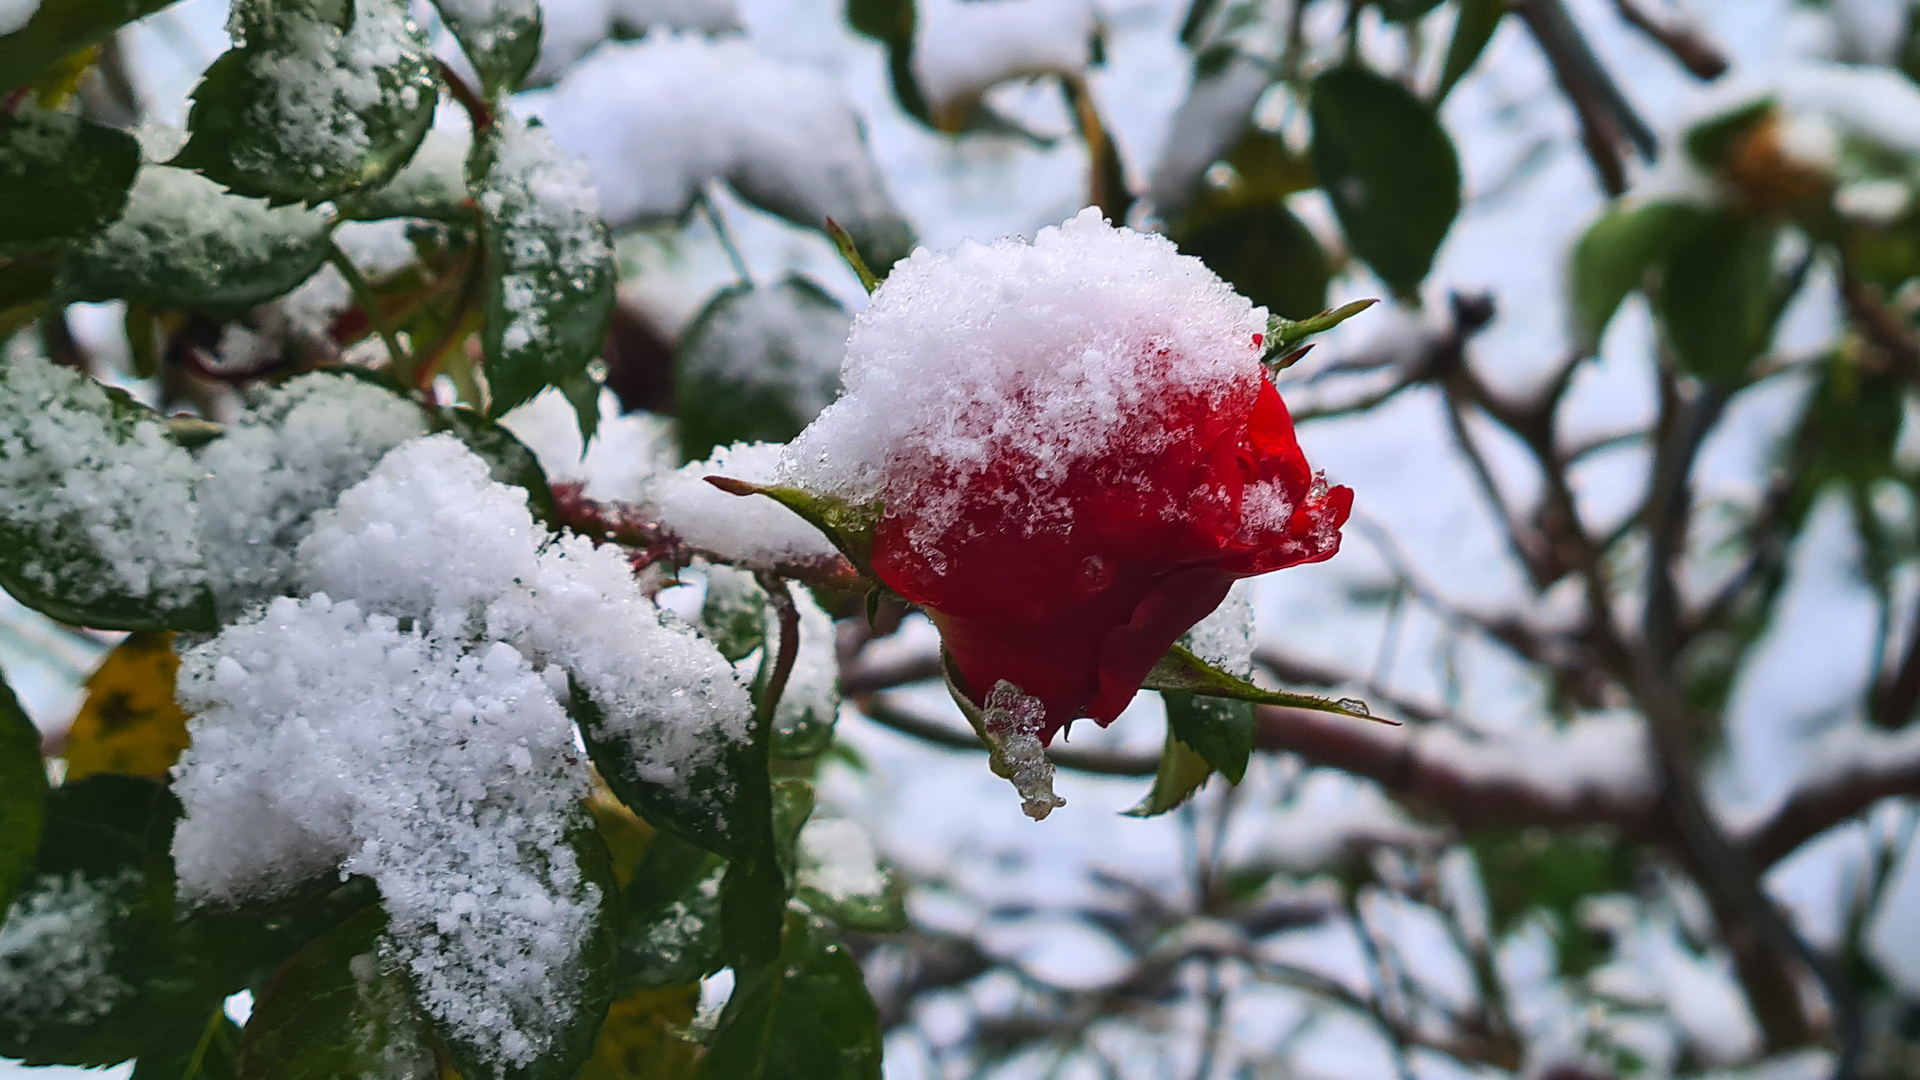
(1077, 453)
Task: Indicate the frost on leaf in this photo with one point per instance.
(95, 505)
(56, 953)
(316, 98)
(283, 461)
(550, 263)
(330, 739)
(1011, 723)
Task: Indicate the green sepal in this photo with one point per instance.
(843, 243)
(848, 526)
(1183, 672)
(1283, 334)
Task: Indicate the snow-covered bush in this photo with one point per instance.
(589, 580)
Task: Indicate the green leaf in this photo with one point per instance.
(235, 948)
(1263, 251)
(1182, 671)
(757, 365)
(1182, 770)
(325, 97)
(185, 243)
(64, 177)
(841, 875)
(210, 1053)
(1717, 303)
(1219, 729)
(737, 827)
(508, 459)
(806, 1017)
(339, 1009)
(61, 28)
(672, 933)
(550, 268)
(501, 38)
(1472, 29)
(53, 557)
(848, 526)
(1613, 258)
(1390, 170)
(23, 794)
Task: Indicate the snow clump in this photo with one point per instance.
(282, 462)
(1056, 350)
(431, 536)
(543, 205)
(329, 737)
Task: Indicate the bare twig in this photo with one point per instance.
(1678, 35)
(1606, 118)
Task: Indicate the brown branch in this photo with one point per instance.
(1677, 34)
(1876, 766)
(1606, 120)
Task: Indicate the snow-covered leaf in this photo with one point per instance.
(317, 98)
(129, 722)
(807, 1016)
(432, 185)
(97, 524)
(500, 37)
(734, 614)
(842, 875)
(184, 243)
(61, 28)
(550, 266)
(1614, 255)
(1389, 168)
(86, 964)
(65, 178)
(340, 1007)
(1181, 671)
(1717, 302)
(758, 364)
(23, 794)
(672, 934)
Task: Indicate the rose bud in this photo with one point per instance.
(1076, 451)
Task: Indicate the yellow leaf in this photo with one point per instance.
(625, 834)
(129, 722)
(641, 1038)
